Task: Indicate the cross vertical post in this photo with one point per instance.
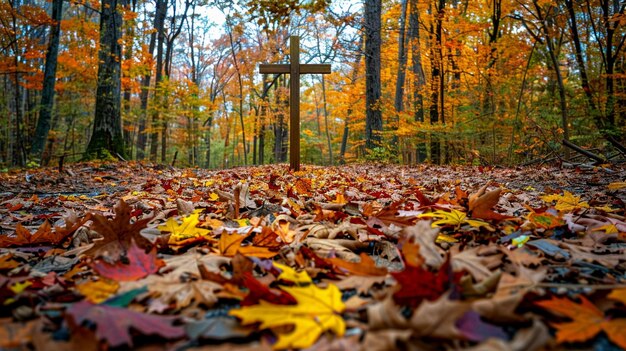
(294, 103)
(295, 69)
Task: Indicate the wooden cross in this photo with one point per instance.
(295, 69)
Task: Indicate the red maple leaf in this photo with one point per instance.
(135, 265)
(113, 324)
(258, 291)
(417, 283)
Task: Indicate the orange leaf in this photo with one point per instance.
(42, 236)
(587, 319)
(618, 295)
(482, 202)
(7, 262)
(366, 266)
(411, 254)
(615, 329)
(256, 251)
(230, 243)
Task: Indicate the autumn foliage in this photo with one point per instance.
(368, 257)
(474, 82)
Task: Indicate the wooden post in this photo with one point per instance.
(295, 69)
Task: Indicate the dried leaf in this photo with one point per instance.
(113, 324)
(366, 266)
(482, 202)
(118, 232)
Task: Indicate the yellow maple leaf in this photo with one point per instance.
(184, 231)
(291, 275)
(454, 218)
(317, 310)
(565, 202)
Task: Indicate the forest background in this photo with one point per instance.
(447, 81)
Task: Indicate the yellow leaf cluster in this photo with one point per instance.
(454, 218)
(184, 231)
(565, 202)
(318, 310)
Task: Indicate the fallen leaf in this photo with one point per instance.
(475, 329)
(616, 185)
(113, 324)
(7, 262)
(587, 321)
(118, 232)
(618, 295)
(258, 291)
(482, 202)
(181, 294)
(44, 235)
(317, 311)
(186, 232)
(438, 318)
(567, 202)
(424, 235)
(98, 291)
(454, 218)
(135, 265)
(366, 266)
(417, 283)
(15, 335)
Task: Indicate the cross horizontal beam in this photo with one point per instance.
(294, 69)
(285, 68)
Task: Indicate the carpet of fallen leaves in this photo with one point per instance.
(371, 257)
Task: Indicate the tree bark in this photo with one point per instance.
(557, 71)
(401, 75)
(437, 82)
(158, 78)
(107, 128)
(49, 80)
(159, 20)
(419, 78)
(240, 81)
(373, 113)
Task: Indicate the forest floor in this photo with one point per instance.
(371, 257)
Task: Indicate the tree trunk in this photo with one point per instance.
(159, 20)
(419, 79)
(49, 80)
(157, 100)
(326, 124)
(128, 55)
(437, 82)
(373, 113)
(107, 128)
(401, 76)
(240, 81)
(557, 71)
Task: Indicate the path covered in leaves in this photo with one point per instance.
(369, 257)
